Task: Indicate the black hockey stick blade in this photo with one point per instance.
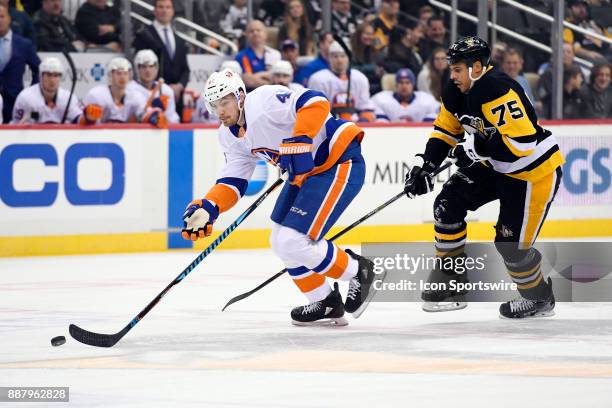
(96, 339)
(338, 235)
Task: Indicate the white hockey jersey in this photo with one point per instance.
(30, 107)
(170, 112)
(131, 109)
(335, 88)
(421, 107)
(274, 113)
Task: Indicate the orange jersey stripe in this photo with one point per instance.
(335, 191)
(310, 282)
(339, 266)
(247, 65)
(311, 118)
(225, 197)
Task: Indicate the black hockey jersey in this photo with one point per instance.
(496, 106)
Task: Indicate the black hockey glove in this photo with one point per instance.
(418, 180)
(470, 150)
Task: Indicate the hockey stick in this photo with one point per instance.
(109, 340)
(338, 235)
(74, 81)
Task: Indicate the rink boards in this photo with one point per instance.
(123, 188)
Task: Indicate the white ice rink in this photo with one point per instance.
(187, 353)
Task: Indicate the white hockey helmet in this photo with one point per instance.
(51, 65)
(220, 84)
(282, 67)
(119, 64)
(231, 64)
(335, 47)
(145, 57)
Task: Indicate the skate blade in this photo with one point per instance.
(550, 313)
(367, 300)
(434, 307)
(336, 321)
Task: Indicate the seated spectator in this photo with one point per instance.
(321, 62)
(425, 13)
(587, 47)
(435, 74)
(289, 52)
(405, 104)
(512, 65)
(46, 102)
(154, 91)
(435, 36)
(404, 53)
(343, 22)
(112, 104)
(282, 74)
(257, 58)
(235, 21)
(388, 18)
(99, 24)
(497, 53)
(271, 12)
(573, 104)
(15, 53)
(170, 49)
(21, 23)
(350, 104)
(597, 95)
(366, 58)
(296, 27)
(54, 32)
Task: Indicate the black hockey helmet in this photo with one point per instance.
(469, 50)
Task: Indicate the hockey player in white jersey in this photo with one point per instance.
(45, 102)
(295, 131)
(405, 104)
(282, 74)
(111, 103)
(349, 103)
(155, 91)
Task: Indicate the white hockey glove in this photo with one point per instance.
(470, 150)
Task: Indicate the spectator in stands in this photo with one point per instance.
(587, 47)
(289, 52)
(319, 63)
(573, 104)
(296, 27)
(425, 13)
(154, 91)
(170, 49)
(366, 58)
(434, 75)
(110, 103)
(271, 12)
(404, 53)
(15, 53)
(347, 103)
(388, 18)
(257, 58)
(99, 24)
(597, 95)
(235, 20)
(405, 104)
(21, 23)
(436, 36)
(343, 22)
(497, 53)
(46, 102)
(54, 32)
(512, 65)
(282, 74)
(209, 13)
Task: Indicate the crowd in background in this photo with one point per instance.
(398, 47)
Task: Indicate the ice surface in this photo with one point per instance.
(186, 352)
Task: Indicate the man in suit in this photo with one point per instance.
(15, 52)
(169, 48)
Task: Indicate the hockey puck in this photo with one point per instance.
(58, 341)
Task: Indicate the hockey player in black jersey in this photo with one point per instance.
(489, 126)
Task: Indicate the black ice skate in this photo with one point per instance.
(521, 308)
(326, 312)
(359, 294)
(439, 297)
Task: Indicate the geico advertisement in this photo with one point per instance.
(71, 181)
